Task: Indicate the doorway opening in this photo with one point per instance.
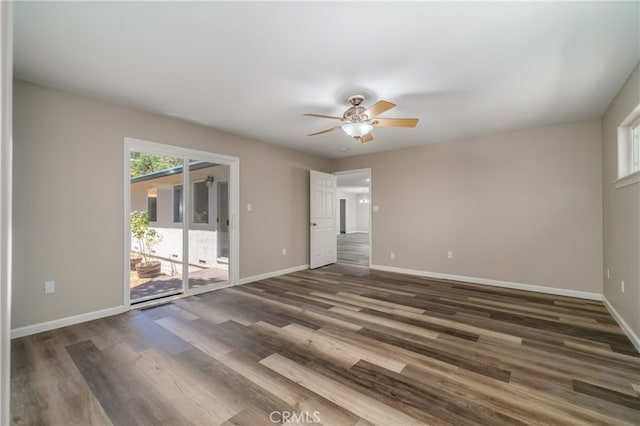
(353, 189)
(179, 233)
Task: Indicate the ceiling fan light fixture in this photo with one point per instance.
(357, 130)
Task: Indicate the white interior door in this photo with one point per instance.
(323, 220)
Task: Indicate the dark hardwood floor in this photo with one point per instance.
(340, 345)
(354, 248)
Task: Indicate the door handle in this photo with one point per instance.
(313, 224)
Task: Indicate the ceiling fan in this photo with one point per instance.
(358, 121)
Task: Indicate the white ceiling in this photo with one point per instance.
(253, 69)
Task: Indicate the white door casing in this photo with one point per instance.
(322, 235)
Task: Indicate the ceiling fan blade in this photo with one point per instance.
(323, 116)
(325, 131)
(366, 138)
(378, 108)
(395, 122)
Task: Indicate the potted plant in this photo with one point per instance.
(147, 239)
(134, 259)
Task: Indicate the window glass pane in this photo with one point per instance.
(152, 209)
(200, 202)
(177, 204)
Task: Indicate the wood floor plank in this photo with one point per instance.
(398, 388)
(316, 320)
(298, 397)
(190, 397)
(361, 405)
(117, 392)
(196, 339)
(353, 248)
(229, 380)
(411, 402)
(246, 417)
(525, 404)
(607, 394)
(329, 345)
(398, 325)
(61, 393)
(356, 346)
(447, 357)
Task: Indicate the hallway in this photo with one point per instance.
(354, 248)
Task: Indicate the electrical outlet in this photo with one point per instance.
(393, 255)
(49, 287)
(284, 251)
(249, 207)
(376, 209)
(449, 255)
(622, 286)
(608, 274)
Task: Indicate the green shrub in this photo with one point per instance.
(147, 238)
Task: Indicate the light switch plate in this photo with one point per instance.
(376, 208)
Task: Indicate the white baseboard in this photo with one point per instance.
(272, 274)
(64, 322)
(89, 316)
(494, 283)
(622, 323)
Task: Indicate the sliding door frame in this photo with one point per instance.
(139, 145)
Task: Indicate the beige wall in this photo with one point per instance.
(621, 213)
(68, 202)
(523, 207)
(362, 213)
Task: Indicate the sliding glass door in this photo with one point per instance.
(157, 198)
(205, 266)
(179, 212)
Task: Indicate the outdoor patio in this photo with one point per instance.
(173, 283)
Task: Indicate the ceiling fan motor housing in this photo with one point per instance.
(355, 114)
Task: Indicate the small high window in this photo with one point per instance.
(635, 148)
(177, 204)
(629, 149)
(200, 202)
(152, 208)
